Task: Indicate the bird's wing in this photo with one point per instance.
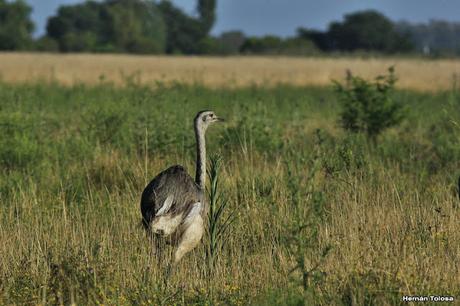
(170, 192)
(194, 212)
(166, 206)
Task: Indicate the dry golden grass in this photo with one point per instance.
(388, 237)
(75, 161)
(416, 74)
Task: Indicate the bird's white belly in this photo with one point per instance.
(166, 224)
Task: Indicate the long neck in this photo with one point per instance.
(200, 177)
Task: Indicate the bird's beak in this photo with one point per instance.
(218, 119)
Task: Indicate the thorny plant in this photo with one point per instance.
(308, 205)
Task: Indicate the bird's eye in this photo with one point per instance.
(208, 117)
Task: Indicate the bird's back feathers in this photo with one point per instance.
(173, 191)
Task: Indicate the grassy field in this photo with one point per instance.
(321, 216)
(217, 72)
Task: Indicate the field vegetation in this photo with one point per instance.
(320, 215)
(229, 72)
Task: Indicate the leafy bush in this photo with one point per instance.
(302, 240)
(368, 107)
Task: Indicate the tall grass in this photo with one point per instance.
(219, 219)
(378, 222)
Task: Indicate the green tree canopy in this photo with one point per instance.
(186, 34)
(183, 31)
(364, 30)
(367, 30)
(232, 41)
(276, 45)
(78, 27)
(15, 25)
(136, 26)
(207, 11)
(437, 37)
(113, 25)
(266, 44)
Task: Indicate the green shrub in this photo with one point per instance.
(309, 205)
(368, 107)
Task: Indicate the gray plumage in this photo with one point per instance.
(175, 204)
(173, 181)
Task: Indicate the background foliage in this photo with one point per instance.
(15, 25)
(115, 25)
(152, 27)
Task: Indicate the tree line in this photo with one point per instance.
(159, 27)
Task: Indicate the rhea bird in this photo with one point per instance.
(173, 204)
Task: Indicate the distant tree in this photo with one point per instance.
(210, 45)
(207, 12)
(276, 45)
(269, 44)
(46, 44)
(77, 27)
(226, 44)
(136, 26)
(367, 30)
(364, 30)
(298, 46)
(186, 34)
(15, 25)
(436, 37)
(319, 38)
(113, 25)
(183, 33)
(231, 42)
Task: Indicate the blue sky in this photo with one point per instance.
(283, 17)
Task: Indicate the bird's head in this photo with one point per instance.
(205, 118)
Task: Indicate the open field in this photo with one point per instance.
(321, 216)
(417, 74)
